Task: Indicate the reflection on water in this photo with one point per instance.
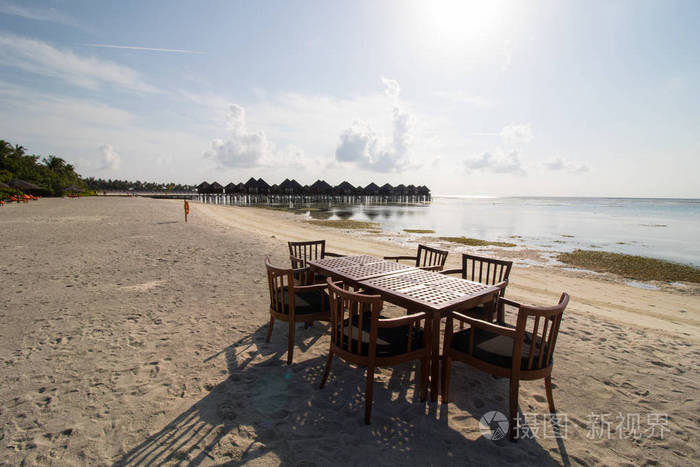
(663, 228)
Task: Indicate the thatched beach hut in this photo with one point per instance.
(25, 186)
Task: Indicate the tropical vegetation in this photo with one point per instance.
(54, 176)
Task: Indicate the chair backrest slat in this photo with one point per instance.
(307, 251)
(489, 271)
(278, 280)
(349, 318)
(543, 337)
(534, 342)
(431, 257)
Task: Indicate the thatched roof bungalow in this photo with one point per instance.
(231, 188)
(216, 188)
(203, 187)
(371, 190)
(251, 186)
(290, 187)
(344, 189)
(386, 190)
(320, 187)
(263, 187)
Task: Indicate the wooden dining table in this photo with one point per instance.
(412, 288)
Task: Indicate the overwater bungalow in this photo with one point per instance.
(256, 191)
(203, 187)
(216, 189)
(371, 190)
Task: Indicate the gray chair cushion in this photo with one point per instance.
(305, 303)
(497, 349)
(390, 341)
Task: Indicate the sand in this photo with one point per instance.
(131, 338)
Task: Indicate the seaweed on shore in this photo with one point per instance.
(631, 266)
(419, 231)
(346, 224)
(477, 242)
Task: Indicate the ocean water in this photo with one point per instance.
(660, 228)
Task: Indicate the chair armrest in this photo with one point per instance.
(452, 271)
(509, 302)
(297, 263)
(401, 321)
(310, 288)
(396, 258)
(485, 325)
(335, 255)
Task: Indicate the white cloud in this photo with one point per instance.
(517, 134)
(392, 88)
(88, 72)
(110, 158)
(38, 14)
(244, 148)
(360, 143)
(499, 163)
(557, 164)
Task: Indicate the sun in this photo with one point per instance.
(457, 21)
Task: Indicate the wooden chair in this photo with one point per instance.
(294, 303)
(428, 258)
(308, 251)
(360, 335)
(301, 252)
(489, 271)
(507, 351)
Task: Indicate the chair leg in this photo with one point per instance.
(269, 329)
(514, 385)
(550, 397)
(369, 394)
(290, 342)
(424, 375)
(445, 383)
(328, 368)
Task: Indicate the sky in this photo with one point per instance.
(497, 98)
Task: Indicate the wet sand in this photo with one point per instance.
(131, 338)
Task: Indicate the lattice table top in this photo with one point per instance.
(372, 270)
(358, 267)
(429, 288)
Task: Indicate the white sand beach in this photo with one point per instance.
(131, 338)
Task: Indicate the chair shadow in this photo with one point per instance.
(269, 412)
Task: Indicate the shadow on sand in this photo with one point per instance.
(268, 413)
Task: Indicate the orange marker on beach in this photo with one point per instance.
(187, 209)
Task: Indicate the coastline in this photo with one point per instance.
(130, 337)
(531, 268)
